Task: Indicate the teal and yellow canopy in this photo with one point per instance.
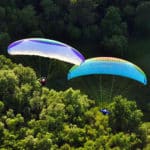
(110, 66)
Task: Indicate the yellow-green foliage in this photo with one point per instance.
(146, 127)
(35, 117)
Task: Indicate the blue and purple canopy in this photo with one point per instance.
(46, 48)
(110, 66)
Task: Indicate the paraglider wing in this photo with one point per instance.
(110, 66)
(46, 48)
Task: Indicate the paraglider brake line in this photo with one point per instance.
(112, 86)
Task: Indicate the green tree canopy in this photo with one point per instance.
(125, 115)
(142, 22)
(114, 30)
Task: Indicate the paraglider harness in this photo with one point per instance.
(105, 111)
(43, 81)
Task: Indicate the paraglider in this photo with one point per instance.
(43, 81)
(46, 48)
(105, 111)
(110, 66)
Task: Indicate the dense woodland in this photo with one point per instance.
(65, 114)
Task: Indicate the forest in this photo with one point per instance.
(65, 115)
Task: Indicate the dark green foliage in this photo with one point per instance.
(105, 24)
(142, 19)
(5, 39)
(73, 20)
(57, 19)
(113, 30)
